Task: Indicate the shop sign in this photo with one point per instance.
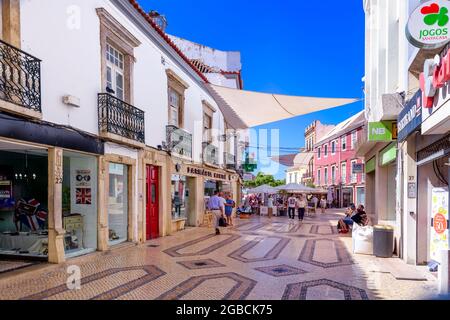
(384, 131)
(428, 25)
(388, 155)
(370, 165)
(439, 225)
(358, 168)
(436, 73)
(411, 117)
(207, 174)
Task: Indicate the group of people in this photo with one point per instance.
(222, 206)
(353, 215)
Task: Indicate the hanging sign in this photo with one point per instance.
(428, 25)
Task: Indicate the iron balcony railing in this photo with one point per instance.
(120, 118)
(229, 160)
(179, 141)
(210, 154)
(20, 77)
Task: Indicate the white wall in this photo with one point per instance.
(72, 66)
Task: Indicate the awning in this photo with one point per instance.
(246, 109)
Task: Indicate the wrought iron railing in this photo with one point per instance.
(210, 154)
(229, 160)
(120, 118)
(20, 77)
(179, 141)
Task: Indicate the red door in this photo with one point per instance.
(152, 202)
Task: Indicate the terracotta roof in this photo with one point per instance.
(136, 5)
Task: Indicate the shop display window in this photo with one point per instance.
(23, 201)
(118, 203)
(79, 203)
(180, 194)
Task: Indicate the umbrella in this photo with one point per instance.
(296, 188)
(263, 189)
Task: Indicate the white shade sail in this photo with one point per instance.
(296, 188)
(263, 189)
(245, 109)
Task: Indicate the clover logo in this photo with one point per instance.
(435, 14)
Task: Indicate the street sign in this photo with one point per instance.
(428, 25)
(358, 168)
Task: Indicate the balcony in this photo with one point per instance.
(230, 161)
(120, 121)
(20, 81)
(179, 141)
(210, 154)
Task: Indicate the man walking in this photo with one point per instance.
(216, 206)
(292, 201)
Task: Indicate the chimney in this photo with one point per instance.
(158, 19)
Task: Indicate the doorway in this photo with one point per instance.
(152, 207)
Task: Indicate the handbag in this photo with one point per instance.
(222, 222)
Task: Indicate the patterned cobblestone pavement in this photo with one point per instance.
(259, 259)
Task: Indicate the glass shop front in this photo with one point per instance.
(23, 202)
(79, 203)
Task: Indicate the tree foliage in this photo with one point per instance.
(262, 179)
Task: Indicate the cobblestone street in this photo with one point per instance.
(258, 259)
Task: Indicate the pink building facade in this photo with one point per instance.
(334, 157)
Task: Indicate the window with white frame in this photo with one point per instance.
(318, 177)
(354, 175)
(344, 172)
(325, 151)
(344, 143)
(333, 147)
(290, 178)
(319, 150)
(326, 176)
(207, 127)
(174, 107)
(115, 72)
(354, 139)
(333, 175)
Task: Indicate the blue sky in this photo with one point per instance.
(295, 47)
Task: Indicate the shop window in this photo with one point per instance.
(180, 195)
(23, 202)
(79, 203)
(118, 203)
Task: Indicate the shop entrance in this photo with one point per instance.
(152, 209)
(118, 215)
(23, 202)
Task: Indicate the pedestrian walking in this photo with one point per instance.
(292, 203)
(216, 206)
(229, 207)
(301, 205)
(315, 201)
(323, 204)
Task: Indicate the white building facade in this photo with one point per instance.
(109, 133)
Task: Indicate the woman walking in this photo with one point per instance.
(301, 205)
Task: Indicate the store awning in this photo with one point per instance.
(246, 109)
